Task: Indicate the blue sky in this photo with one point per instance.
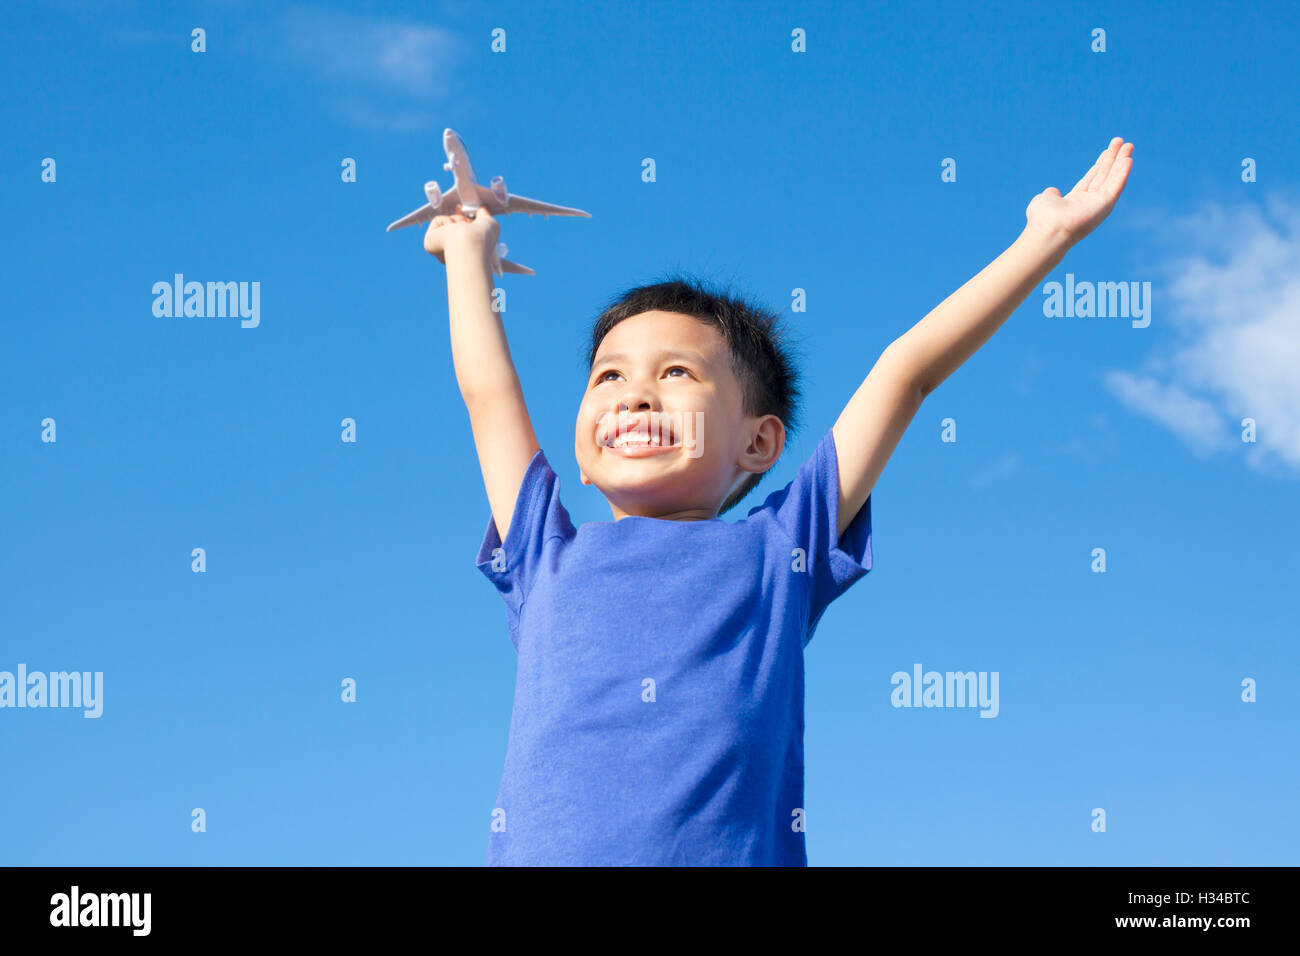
(775, 171)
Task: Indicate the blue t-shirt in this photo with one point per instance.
(659, 696)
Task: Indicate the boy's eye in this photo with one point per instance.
(675, 368)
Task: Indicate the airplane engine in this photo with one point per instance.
(499, 189)
(434, 192)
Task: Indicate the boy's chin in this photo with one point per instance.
(628, 487)
(612, 469)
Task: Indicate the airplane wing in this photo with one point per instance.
(423, 214)
(426, 212)
(533, 207)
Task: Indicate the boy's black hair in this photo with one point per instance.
(762, 356)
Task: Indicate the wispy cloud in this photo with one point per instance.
(1004, 467)
(384, 73)
(1195, 420)
(1235, 302)
(148, 36)
(1093, 447)
(366, 113)
(376, 72)
(1030, 368)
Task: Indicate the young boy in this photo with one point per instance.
(658, 711)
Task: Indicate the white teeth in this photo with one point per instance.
(641, 433)
(638, 438)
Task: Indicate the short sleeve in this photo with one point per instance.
(538, 518)
(807, 511)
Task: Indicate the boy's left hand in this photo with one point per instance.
(1082, 209)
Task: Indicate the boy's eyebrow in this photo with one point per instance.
(666, 354)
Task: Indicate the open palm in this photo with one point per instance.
(1082, 209)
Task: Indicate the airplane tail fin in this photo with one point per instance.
(508, 266)
(504, 265)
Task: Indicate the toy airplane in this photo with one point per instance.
(470, 195)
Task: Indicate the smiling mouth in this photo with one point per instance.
(637, 449)
(641, 436)
(634, 445)
(640, 441)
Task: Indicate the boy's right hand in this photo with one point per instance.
(459, 231)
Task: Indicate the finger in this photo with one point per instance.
(1082, 184)
(1105, 163)
(1118, 175)
(437, 221)
(1095, 174)
(1088, 177)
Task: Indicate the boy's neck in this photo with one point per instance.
(690, 514)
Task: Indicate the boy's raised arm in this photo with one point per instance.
(503, 432)
(913, 366)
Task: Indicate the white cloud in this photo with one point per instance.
(1195, 420)
(385, 73)
(1234, 301)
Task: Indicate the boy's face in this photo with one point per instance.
(672, 374)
